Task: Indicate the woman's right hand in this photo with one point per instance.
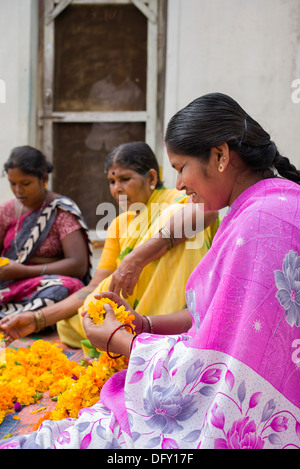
(125, 277)
(17, 325)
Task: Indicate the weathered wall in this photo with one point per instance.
(249, 49)
(18, 60)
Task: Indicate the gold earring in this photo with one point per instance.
(221, 168)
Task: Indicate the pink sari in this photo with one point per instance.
(233, 380)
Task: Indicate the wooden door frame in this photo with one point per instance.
(46, 115)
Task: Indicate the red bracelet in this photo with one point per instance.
(107, 351)
(133, 339)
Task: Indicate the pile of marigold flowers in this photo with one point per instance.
(27, 373)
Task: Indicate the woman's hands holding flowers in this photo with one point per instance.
(119, 338)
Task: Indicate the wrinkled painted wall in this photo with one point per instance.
(249, 49)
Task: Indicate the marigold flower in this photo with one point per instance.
(3, 261)
(97, 312)
(2, 415)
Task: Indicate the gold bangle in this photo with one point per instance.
(167, 235)
(37, 318)
(40, 320)
(150, 324)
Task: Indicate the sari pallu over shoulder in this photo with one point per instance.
(30, 294)
(233, 380)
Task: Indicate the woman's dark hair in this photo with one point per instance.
(137, 156)
(29, 160)
(216, 118)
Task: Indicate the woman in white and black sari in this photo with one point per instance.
(43, 235)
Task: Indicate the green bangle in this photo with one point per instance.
(43, 270)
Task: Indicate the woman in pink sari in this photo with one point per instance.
(224, 373)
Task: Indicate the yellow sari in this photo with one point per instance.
(161, 285)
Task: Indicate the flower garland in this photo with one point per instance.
(27, 373)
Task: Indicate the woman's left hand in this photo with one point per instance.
(99, 335)
(12, 271)
(138, 318)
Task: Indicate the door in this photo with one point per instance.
(99, 90)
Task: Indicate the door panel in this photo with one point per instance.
(91, 43)
(100, 90)
(79, 170)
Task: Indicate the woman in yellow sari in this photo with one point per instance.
(133, 175)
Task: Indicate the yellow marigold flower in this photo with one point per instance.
(2, 415)
(97, 312)
(3, 261)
